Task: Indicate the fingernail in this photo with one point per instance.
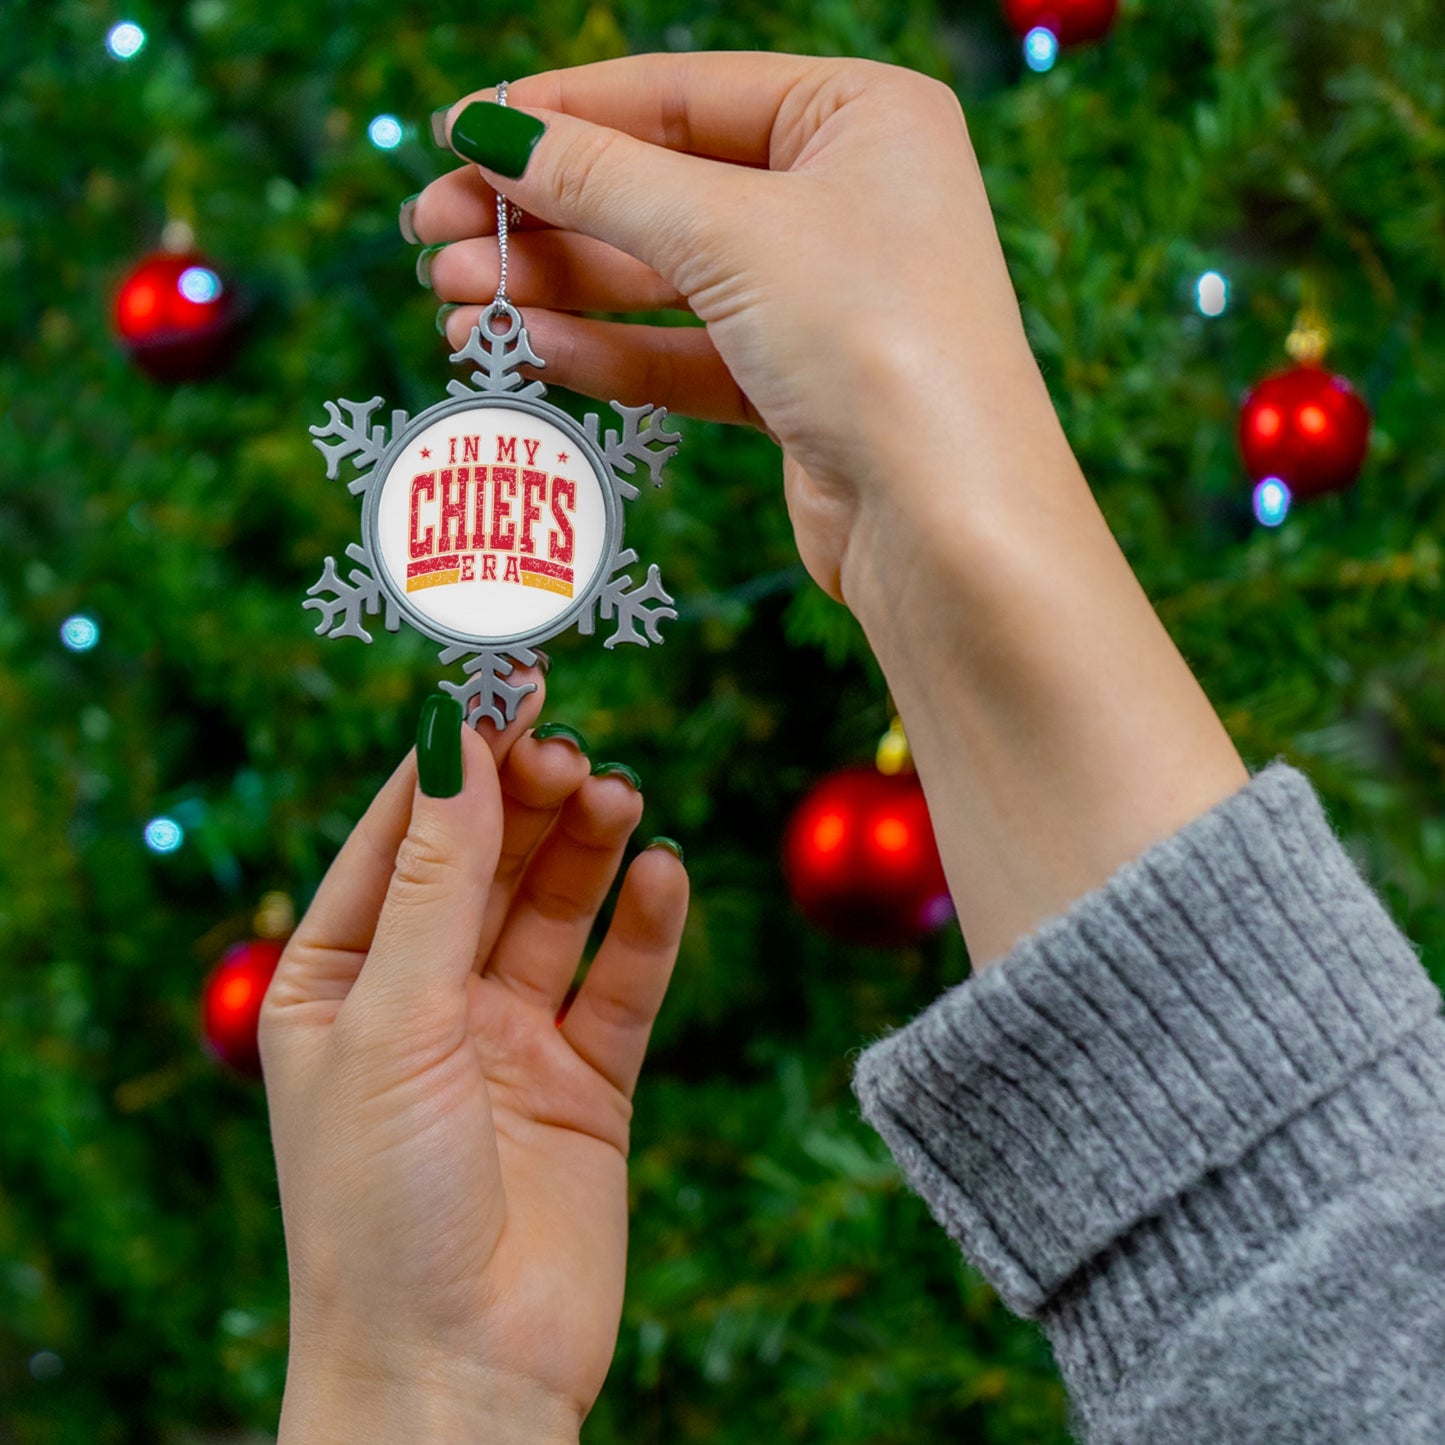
(423, 263)
(496, 136)
(443, 311)
(618, 770)
(405, 222)
(561, 730)
(439, 125)
(439, 746)
(671, 844)
(543, 661)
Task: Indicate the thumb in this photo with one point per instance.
(653, 203)
(425, 942)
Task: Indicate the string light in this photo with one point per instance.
(80, 633)
(126, 40)
(1271, 502)
(385, 132)
(1211, 294)
(1041, 48)
(164, 835)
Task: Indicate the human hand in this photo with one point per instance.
(452, 1157)
(825, 218)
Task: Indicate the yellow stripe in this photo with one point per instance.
(551, 584)
(431, 579)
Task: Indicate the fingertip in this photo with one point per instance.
(605, 809)
(501, 741)
(478, 781)
(671, 845)
(545, 767)
(661, 872)
(657, 890)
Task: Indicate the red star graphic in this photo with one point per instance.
(425, 452)
(562, 458)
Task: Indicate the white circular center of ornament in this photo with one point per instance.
(491, 522)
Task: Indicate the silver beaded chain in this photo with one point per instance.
(504, 210)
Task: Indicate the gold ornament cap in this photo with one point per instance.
(1310, 339)
(894, 755)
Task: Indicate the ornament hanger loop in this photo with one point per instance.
(503, 311)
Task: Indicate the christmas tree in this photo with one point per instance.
(178, 744)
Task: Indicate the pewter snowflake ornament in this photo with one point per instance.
(492, 521)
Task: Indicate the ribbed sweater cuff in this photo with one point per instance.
(1221, 984)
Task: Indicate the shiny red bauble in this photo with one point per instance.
(1073, 22)
(231, 1003)
(1307, 427)
(861, 861)
(176, 317)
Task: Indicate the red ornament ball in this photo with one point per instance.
(861, 861)
(1307, 427)
(231, 1003)
(176, 318)
(1073, 22)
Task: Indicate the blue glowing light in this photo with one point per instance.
(385, 132)
(164, 835)
(126, 40)
(1211, 293)
(80, 633)
(1041, 48)
(1271, 502)
(199, 284)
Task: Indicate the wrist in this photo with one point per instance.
(1057, 730)
(413, 1398)
(955, 472)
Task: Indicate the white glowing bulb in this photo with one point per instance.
(79, 633)
(1271, 502)
(1211, 293)
(164, 835)
(126, 40)
(385, 132)
(1041, 48)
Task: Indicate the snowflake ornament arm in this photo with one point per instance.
(643, 438)
(486, 693)
(349, 600)
(360, 441)
(630, 606)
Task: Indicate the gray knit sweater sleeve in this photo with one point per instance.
(1196, 1127)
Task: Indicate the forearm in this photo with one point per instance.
(1057, 730)
(409, 1402)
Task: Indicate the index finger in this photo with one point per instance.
(723, 105)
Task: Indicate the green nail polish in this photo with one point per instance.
(496, 136)
(561, 730)
(404, 220)
(439, 746)
(617, 770)
(439, 125)
(443, 312)
(423, 262)
(671, 844)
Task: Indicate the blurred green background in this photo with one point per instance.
(783, 1284)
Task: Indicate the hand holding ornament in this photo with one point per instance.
(451, 1148)
(825, 219)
